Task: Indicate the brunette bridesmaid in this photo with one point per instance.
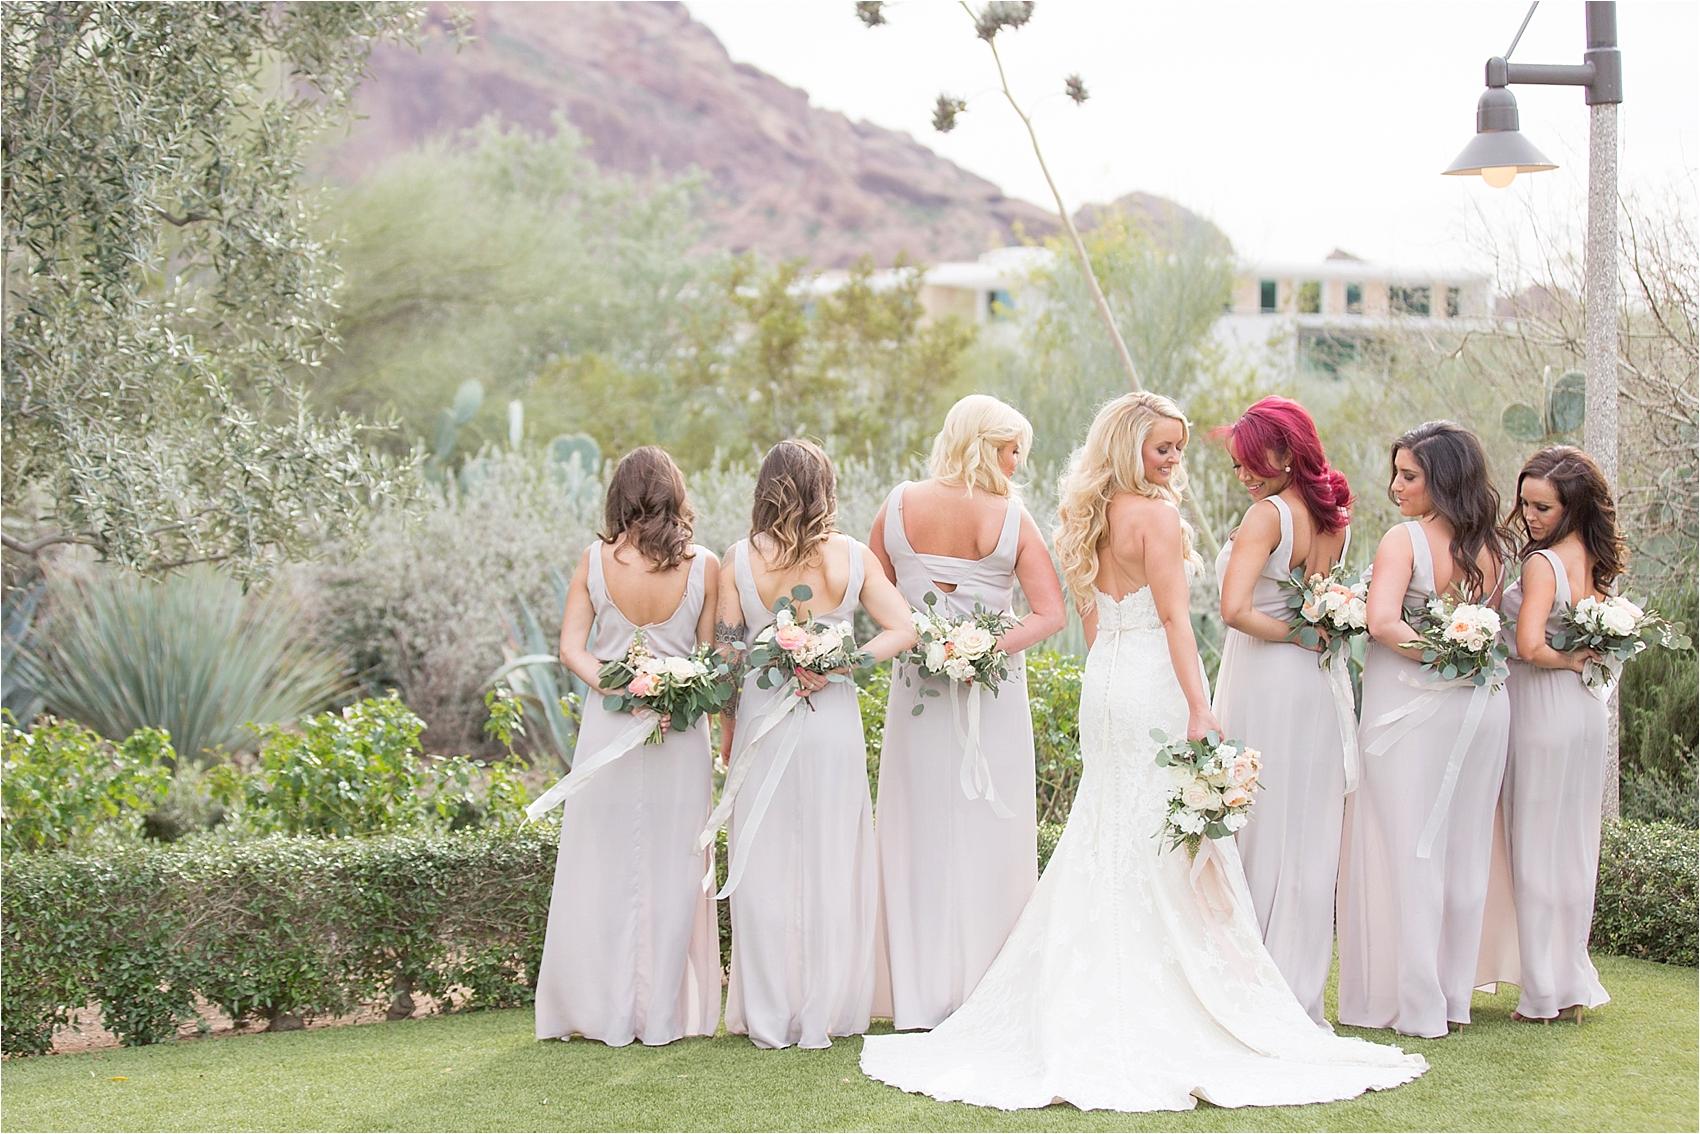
(632, 949)
(956, 866)
(1555, 774)
(1271, 693)
(804, 878)
(1419, 829)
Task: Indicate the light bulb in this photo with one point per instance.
(1499, 176)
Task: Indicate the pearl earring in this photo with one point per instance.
(1288, 468)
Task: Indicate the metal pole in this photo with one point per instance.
(1600, 307)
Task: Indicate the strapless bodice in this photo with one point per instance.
(1134, 611)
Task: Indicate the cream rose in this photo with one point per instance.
(1199, 796)
(974, 641)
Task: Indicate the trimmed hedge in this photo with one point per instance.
(294, 927)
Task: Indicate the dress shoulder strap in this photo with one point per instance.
(597, 583)
(694, 581)
(1283, 554)
(1346, 547)
(1009, 539)
(858, 573)
(1563, 597)
(1422, 559)
(741, 576)
(895, 536)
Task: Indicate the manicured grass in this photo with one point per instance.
(1631, 1066)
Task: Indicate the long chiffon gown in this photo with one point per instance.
(1554, 780)
(955, 874)
(803, 911)
(1275, 697)
(1411, 926)
(1122, 987)
(632, 949)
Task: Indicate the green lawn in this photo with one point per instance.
(1631, 1066)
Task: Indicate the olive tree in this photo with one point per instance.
(163, 288)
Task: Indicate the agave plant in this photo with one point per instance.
(533, 671)
(190, 654)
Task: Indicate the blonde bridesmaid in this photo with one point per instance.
(1272, 694)
(1555, 775)
(631, 950)
(803, 877)
(957, 865)
(1419, 829)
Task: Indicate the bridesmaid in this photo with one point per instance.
(956, 870)
(1555, 773)
(1410, 922)
(803, 874)
(632, 948)
(1271, 692)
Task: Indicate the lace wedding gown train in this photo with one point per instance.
(1114, 991)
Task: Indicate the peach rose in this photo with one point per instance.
(643, 685)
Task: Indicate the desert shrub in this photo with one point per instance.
(190, 654)
(62, 784)
(276, 927)
(873, 688)
(1645, 906)
(1053, 695)
(1660, 725)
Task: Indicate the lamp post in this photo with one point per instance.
(1499, 153)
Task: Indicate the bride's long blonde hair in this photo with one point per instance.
(1112, 462)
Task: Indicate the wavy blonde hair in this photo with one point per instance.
(1112, 462)
(966, 450)
(796, 502)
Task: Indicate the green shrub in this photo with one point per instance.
(268, 928)
(1645, 906)
(1053, 694)
(873, 687)
(61, 783)
(191, 655)
(1661, 726)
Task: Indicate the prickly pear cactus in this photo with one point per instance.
(469, 399)
(1563, 409)
(580, 447)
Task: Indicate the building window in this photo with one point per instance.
(1354, 299)
(1452, 303)
(1266, 295)
(999, 304)
(1408, 300)
(1310, 297)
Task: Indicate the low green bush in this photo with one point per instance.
(276, 928)
(1645, 905)
(1053, 698)
(62, 785)
(1661, 726)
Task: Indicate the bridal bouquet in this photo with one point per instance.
(1210, 788)
(791, 646)
(1331, 604)
(963, 649)
(1460, 641)
(683, 689)
(1616, 629)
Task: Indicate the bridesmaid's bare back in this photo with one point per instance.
(942, 519)
(826, 573)
(641, 593)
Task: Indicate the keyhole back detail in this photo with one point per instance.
(989, 581)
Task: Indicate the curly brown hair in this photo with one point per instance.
(647, 504)
(796, 501)
(1455, 468)
(1589, 510)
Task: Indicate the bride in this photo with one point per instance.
(1122, 987)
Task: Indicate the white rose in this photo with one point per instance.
(827, 642)
(784, 617)
(652, 665)
(1617, 621)
(1234, 820)
(935, 657)
(1225, 754)
(1199, 796)
(974, 641)
(920, 622)
(959, 669)
(1180, 776)
(1357, 615)
(682, 669)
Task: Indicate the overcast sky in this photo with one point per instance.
(1297, 127)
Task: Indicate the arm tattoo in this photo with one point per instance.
(729, 641)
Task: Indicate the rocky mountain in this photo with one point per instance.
(651, 88)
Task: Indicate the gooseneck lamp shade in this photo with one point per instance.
(1498, 151)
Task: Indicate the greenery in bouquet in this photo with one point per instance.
(1616, 629)
(1460, 641)
(1211, 781)
(962, 649)
(682, 690)
(1328, 611)
(794, 645)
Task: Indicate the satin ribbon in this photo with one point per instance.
(1600, 678)
(1346, 716)
(643, 724)
(976, 772)
(1419, 709)
(783, 706)
(1215, 897)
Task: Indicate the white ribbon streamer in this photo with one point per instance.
(1413, 713)
(643, 724)
(1346, 716)
(1215, 897)
(1600, 677)
(743, 760)
(976, 771)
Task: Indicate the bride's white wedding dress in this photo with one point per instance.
(1113, 991)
